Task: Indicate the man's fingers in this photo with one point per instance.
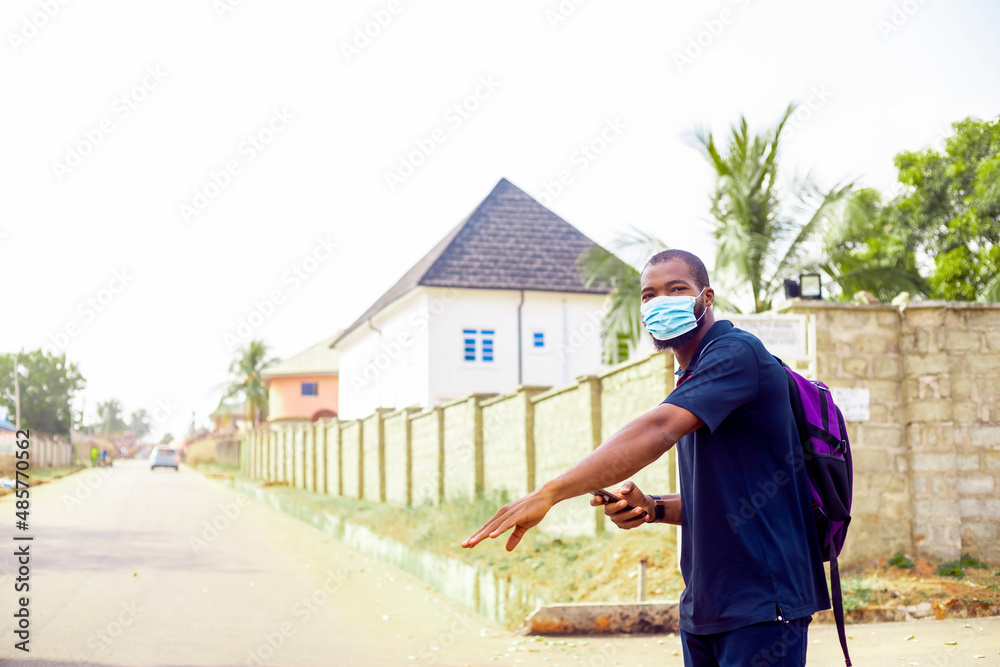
(486, 530)
(626, 488)
(596, 501)
(515, 537)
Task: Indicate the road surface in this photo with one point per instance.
(133, 567)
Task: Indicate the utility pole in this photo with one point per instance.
(17, 394)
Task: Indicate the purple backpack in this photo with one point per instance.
(827, 453)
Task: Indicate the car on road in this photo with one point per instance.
(164, 457)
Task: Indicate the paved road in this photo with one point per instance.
(127, 569)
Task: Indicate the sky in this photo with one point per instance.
(171, 169)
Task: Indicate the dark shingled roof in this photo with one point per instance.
(509, 242)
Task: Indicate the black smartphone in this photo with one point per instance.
(612, 498)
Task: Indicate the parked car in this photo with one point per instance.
(164, 457)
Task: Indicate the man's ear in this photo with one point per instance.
(709, 296)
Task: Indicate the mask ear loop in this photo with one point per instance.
(705, 309)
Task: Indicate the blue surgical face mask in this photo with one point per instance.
(667, 317)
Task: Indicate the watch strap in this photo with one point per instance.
(659, 506)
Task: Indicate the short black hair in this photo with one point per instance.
(696, 267)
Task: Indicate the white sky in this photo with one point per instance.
(557, 85)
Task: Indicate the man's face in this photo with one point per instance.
(673, 278)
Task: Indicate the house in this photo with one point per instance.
(304, 387)
(497, 303)
(228, 417)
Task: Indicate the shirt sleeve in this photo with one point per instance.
(725, 379)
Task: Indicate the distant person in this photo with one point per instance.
(93, 456)
(104, 457)
(751, 583)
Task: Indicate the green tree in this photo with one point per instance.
(167, 437)
(109, 418)
(48, 384)
(939, 237)
(246, 381)
(872, 250)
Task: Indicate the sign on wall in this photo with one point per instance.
(854, 403)
(783, 335)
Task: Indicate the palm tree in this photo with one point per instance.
(246, 381)
(758, 244)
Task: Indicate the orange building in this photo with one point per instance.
(304, 387)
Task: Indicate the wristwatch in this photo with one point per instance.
(659, 506)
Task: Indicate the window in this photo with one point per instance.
(539, 339)
(470, 344)
(487, 344)
(309, 388)
(484, 339)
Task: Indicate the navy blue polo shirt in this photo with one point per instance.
(749, 549)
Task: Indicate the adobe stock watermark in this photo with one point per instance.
(390, 350)
(126, 618)
(302, 610)
(366, 33)
(453, 118)
(562, 12)
(88, 310)
(220, 523)
(32, 24)
(582, 158)
(294, 277)
(818, 97)
(225, 7)
(711, 31)
(899, 15)
(76, 152)
(220, 179)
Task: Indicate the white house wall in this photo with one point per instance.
(387, 369)
(570, 324)
(418, 359)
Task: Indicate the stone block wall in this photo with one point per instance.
(426, 444)
(396, 429)
(351, 460)
(926, 471)
(509, 443)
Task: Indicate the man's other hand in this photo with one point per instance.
(627, 519)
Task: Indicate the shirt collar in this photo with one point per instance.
(719, 328)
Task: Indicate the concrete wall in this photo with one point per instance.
(351, 460)
(427, 439)
(926, 459)
(45, 451)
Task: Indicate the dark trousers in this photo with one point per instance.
(770, 644)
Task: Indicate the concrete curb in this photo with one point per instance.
(584, 618)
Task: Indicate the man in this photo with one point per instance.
(93, 456)
(749, 551)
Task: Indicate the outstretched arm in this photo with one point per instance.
(636, 445)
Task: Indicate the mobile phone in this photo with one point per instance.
(612, 498)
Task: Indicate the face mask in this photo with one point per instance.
(668, 317)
